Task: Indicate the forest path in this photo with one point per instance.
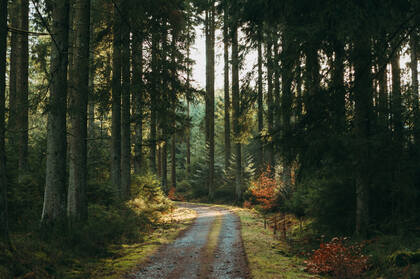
(211, 248)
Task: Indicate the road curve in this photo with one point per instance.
(191, 256)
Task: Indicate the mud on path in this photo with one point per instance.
(211, 248)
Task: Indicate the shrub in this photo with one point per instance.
(264, 190)
(174, 195)
(340, 260)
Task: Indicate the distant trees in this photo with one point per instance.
(346, 127)
(329, 106)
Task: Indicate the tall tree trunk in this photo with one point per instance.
(164, 158)
(22, 88)
(226, 83)
(415, 85)
(188, 141)
(210, 97)
(91, 108)
(270, 101)
(159, 161)
(137, 56)
(125, 107)
(397, 101)
(277, 97)
(153, 101)
(207, 28)
(260, 154)
(116, 106)
(174, 102)
(312, 76)
(4, 224)
(76, 198)
(236, 111)
(363, 111)
(14, 22)
(286, 105)
(383, 95)
(54, 209)
(338, 86)
(299, 97)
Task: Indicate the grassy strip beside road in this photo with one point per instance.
(267, 256)
(125, 258)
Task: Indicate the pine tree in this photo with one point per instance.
(116, 104)
(22, 105)
(76, 196)
(236, 105)
(54, 209)
(4, 224)
(125, 103)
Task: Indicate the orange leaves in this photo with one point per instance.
(264, 190)
(174, 196)
(340, 260)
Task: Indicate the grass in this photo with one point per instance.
(37, 258)
(125, 258)
(268, 257)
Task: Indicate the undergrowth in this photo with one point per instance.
(68, 254)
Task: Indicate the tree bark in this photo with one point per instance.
(286, 105)
(153, 101)
(383, 96)
(226, 83)
(22, 88)
(164, 158)
(137, 57)
(173, 104)
(91, 108)
(4, 224)
(76, 198)
(116, 106)
(188, 140)
(415, 86)
(125, 107)
(363, 111)
(260, 154)
(338, 86)
(277, 97)
(54, 208)
(270, 101)
(210, 97)
(236, 111)
(14, 16)
(397, 101)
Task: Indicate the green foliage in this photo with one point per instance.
(109, 223)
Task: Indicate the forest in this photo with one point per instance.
(305, 131)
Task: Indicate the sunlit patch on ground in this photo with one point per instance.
(126, 257)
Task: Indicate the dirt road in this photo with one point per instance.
(211, 248)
